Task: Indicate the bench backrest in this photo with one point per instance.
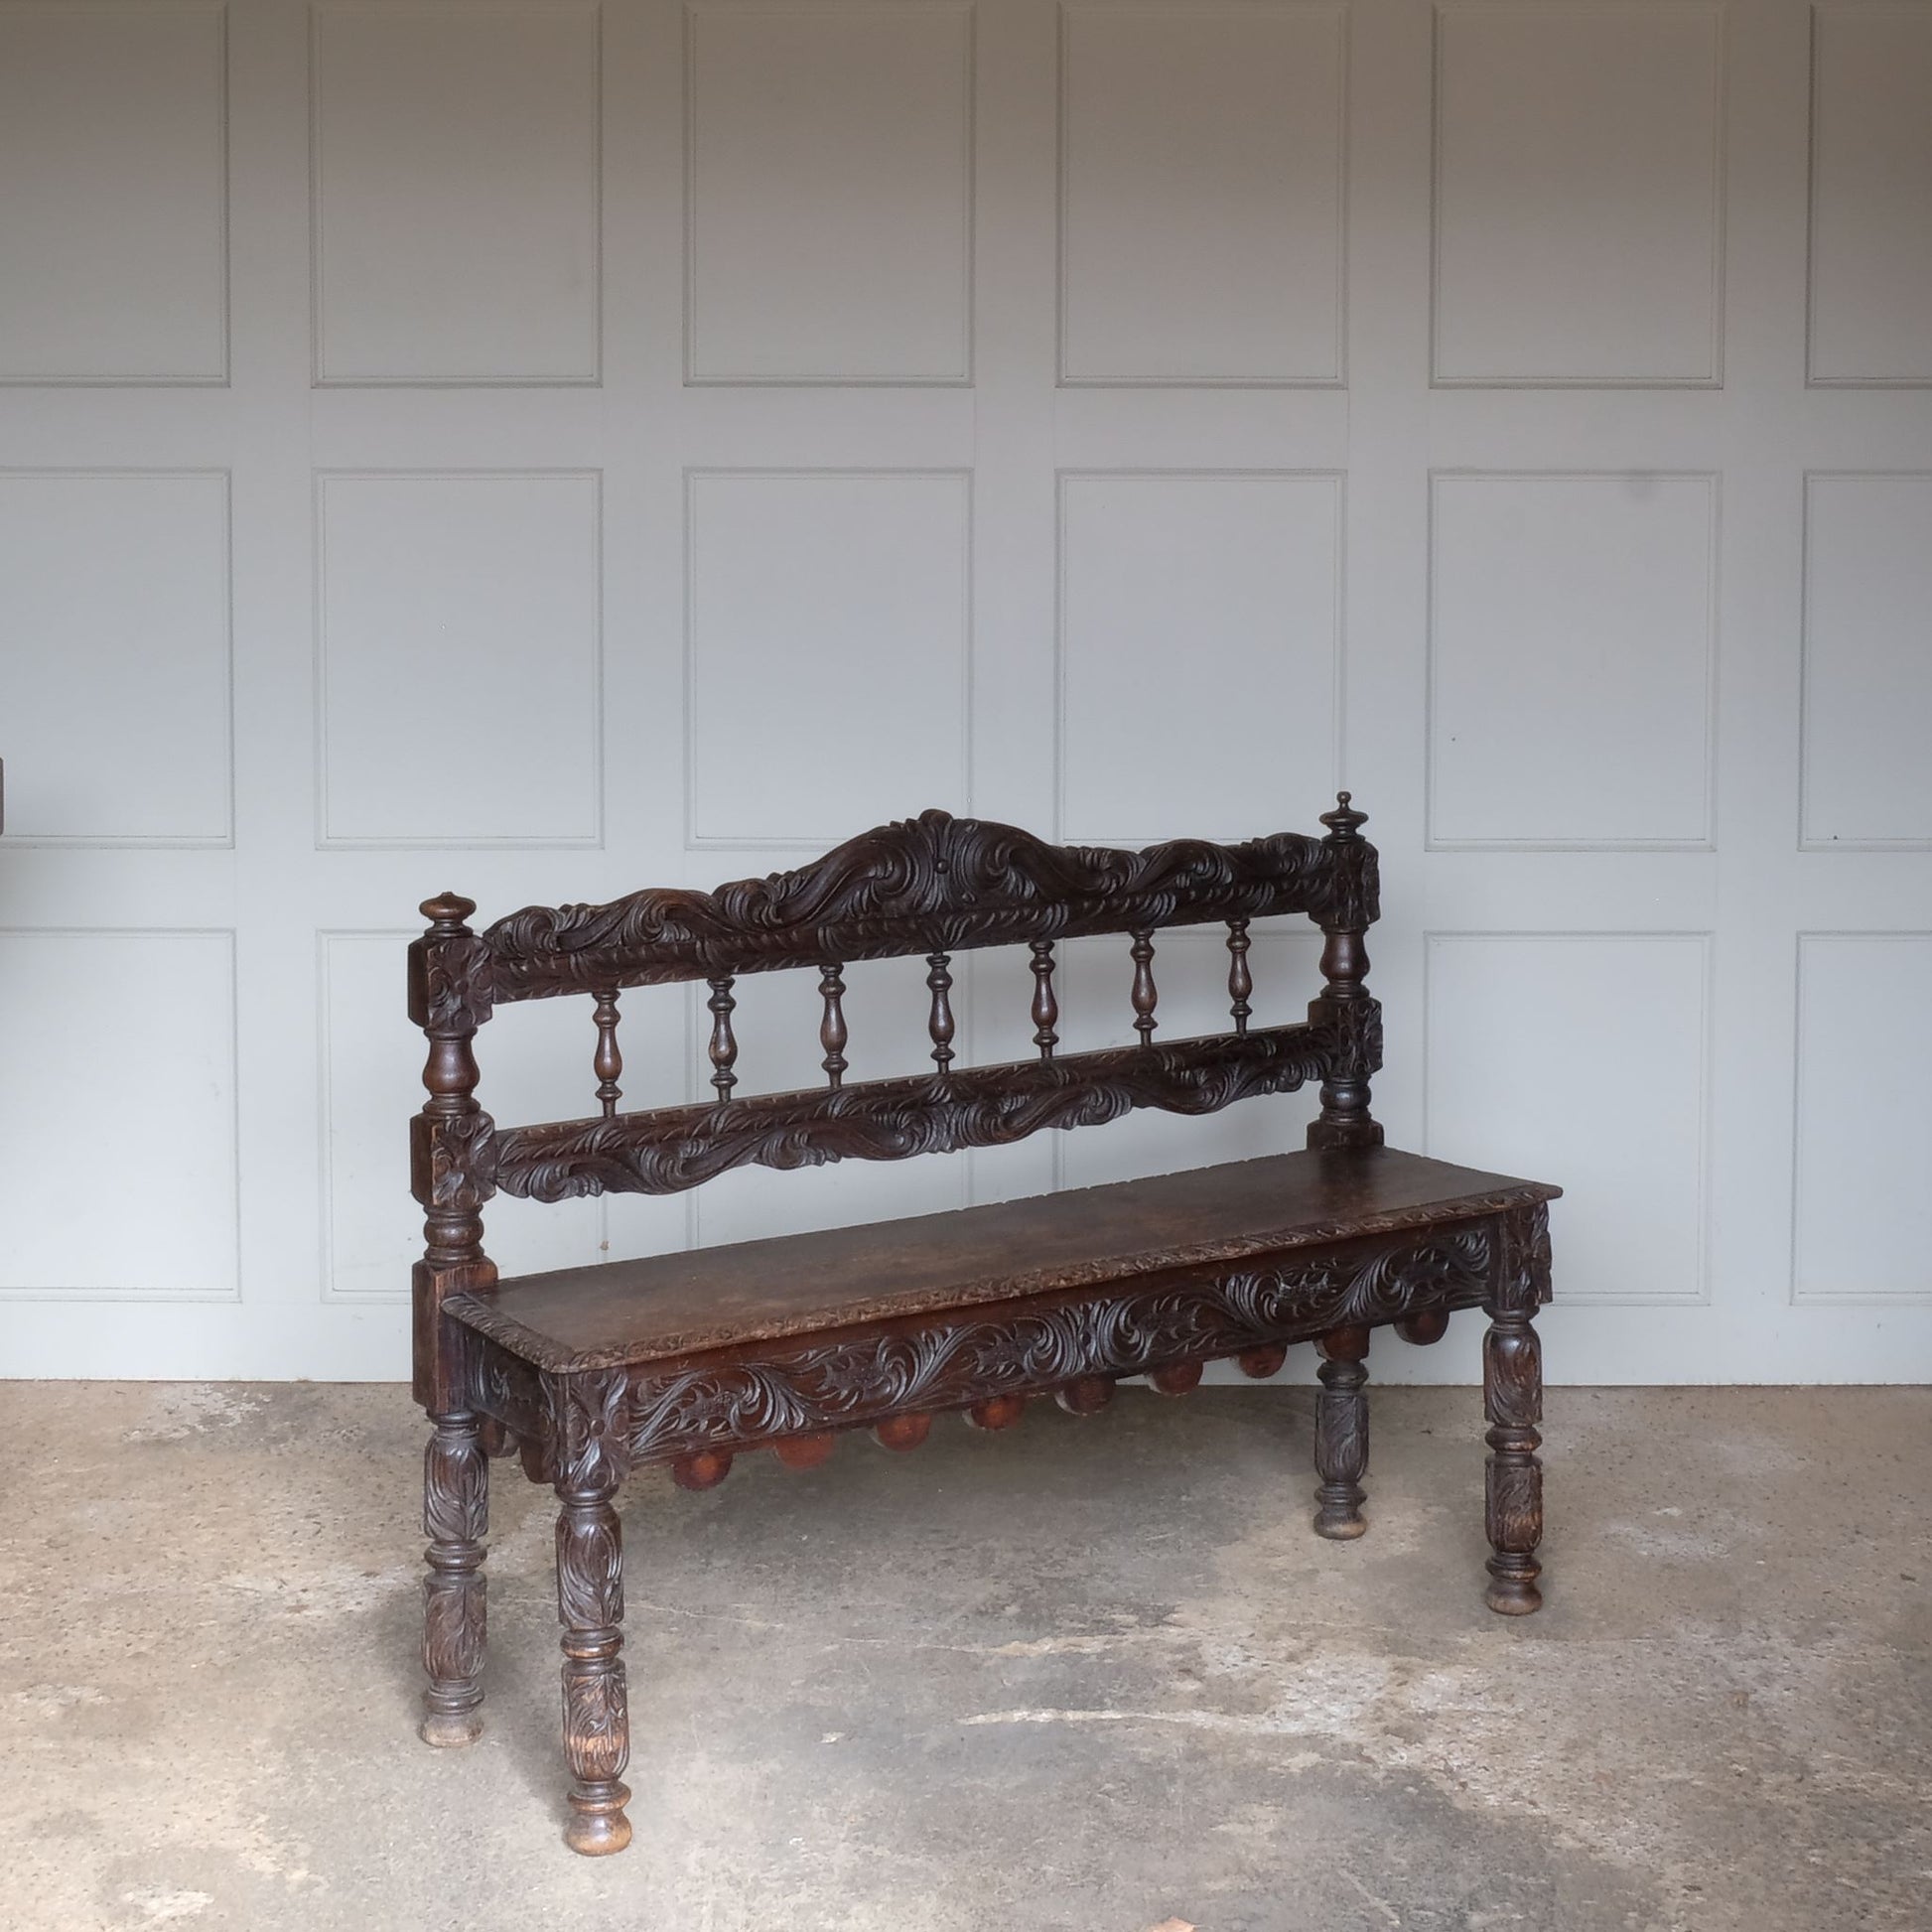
(926, 888)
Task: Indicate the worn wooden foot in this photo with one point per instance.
(1512, 1399)
(589, 1606)
(1341, 1433)
(456, 1517)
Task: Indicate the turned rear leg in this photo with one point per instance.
(589, 1606)
(456, 1517)
(1341, 1433)
(1512, 1395)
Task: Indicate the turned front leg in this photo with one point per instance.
(456, 1517)
(589, 1606)
(1512, 1395)
(1341, 1433)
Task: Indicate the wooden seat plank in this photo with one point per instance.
(628, 1311)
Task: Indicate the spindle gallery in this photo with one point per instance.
(693, 1358)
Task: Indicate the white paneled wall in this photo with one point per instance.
(539, 449)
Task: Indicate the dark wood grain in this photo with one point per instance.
(691, 1360)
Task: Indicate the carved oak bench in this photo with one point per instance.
(691, 1358)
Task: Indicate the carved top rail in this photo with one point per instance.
(931, 884)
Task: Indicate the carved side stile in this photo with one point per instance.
(1345, 1004)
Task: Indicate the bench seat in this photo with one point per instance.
(631, 1312)
(792, 1345)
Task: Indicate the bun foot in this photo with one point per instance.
(451, 1730)
(1340, 1524)
(1512, 1593)
(598, 1826)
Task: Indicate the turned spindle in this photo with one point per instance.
(607, 1063)
(1144, 994)
(940, 1025)
(1240, 981)
(1046, 1008)
(724, 1043)
(831, 1030)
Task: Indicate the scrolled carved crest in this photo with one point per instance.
(934, 882)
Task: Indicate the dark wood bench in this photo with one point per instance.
(691, 1358)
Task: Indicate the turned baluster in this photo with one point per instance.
(1144, 994)
(1240, 980)
(724, 1043)
(1046, 1008)
(607, 1063)
(831, 1030)
(940, 1025)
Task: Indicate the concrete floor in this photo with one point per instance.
(1091, 1676)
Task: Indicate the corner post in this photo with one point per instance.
(451, 1154)
(1512, 1401)
(1351, 1014)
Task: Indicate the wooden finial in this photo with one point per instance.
(448, 911)
(1344, 822)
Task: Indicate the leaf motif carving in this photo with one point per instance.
(934, 882)
(957, 1360)
(671, 1148)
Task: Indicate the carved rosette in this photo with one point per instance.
(584, 1426)
(452, 1160)
(452, 987)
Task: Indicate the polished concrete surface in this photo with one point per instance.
(1093, 1675)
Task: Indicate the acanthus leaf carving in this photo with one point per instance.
(799, 1389)
(671, 1148)
(931, 882)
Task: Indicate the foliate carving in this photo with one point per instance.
(953, 1362)
(1512, 1395)
(675, 1148)
(451, 989)
(454, 1637)
(456, 1514)
(597, 1720)
(931, 884)
(453, 1159)
(1512, 1364)
(455, 1484)
(1513, 1495)
(586, 1432)
(1523, 1282)
(1341, 1435)
(1353, 1029)
(590, 1567)
(1354, 896)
